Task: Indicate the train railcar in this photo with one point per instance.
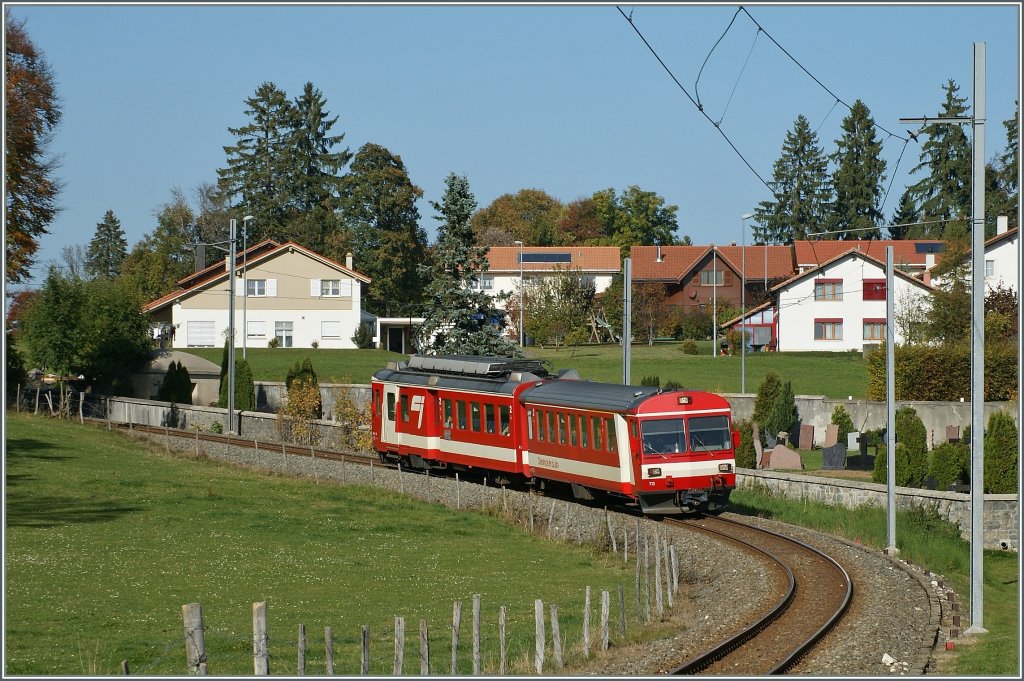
(668, 451)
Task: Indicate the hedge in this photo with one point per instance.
(943, 372)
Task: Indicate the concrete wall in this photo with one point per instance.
(271, 396)
(1001, 517)
(816, 410)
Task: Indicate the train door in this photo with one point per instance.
(389, 411)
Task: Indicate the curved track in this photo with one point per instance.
(817, 593)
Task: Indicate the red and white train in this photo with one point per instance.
(670, 451)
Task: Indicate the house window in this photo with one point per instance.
(712, 277)
(283, 333)
(330, 288)
(256, 288)
(828, 329)
(874, 289)
(990, 268)
(330, 329)
(484, 283)
(256, 329)
(828, 289)
(874, 329)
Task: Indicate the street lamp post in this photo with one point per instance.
(522, 331)
(245, 281)
(743, 303)
(714, 301)
(231, 328)
(977, 122)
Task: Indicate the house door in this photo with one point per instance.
(396, 339)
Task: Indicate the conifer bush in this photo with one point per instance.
(746, 457)
(951, 461)
(783, 413)
(303, 375)
(911, 451)
(767, 391)
(245, 389)
(689, 347)
(1001, 460)
(176, 386)
(651, 381)
(841, 418)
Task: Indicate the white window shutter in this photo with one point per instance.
(271, 287)
(346, 288)
(239, 286)
(314, 288)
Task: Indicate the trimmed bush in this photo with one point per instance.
(841, 418)
(943, 373)
(1001, 454)
(911, 451)
(303, 377)
(689, 347)
(651, 381)
(245, 389)
(746, 457)
(951, 461)
(363, 337)
(783, 413)
(176, 386)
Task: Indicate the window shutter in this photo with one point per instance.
(239, 286)
(271, 287)
(346, 288)
(314, 288)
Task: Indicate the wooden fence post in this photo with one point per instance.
(364, 657)
(458, 500)
(605, 608)
(329, 650)
(586, 623)
(675, 567)
(284, 458)
(538, 648)
(81, 407)
(401, 482)
(399, 645)
(551, 516)
(556, 637)
(658, 604)
(424, 649)
(37, 401)
(502, 651)
(668, 573)
(301, 662)
(647, 577)
(622, 613)
(312, 456)
(456, 621)
(611, 533)
(530, 498)
(124, 668)
(260, 654)
(17, 399)
(625, 544)
(371, 471)
(195, 642)
(476, 634)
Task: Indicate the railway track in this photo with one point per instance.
(817, 593)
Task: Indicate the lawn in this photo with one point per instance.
(108, 537)
(833, 374)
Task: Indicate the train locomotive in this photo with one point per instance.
(669, 451)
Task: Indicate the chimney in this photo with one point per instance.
(200, 257)
(658, 259)
(348, 260)
(929, 261)
(1002, 224)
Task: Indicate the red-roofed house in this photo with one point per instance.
(913, 256)
(289, 292)
(598, 264)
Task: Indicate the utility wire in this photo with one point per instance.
(738, 76)
(695, 92)
(692, 100)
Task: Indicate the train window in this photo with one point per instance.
(540, 426)
(598, 440)
(561, 429)
(584, 432)
(505, 419)
(551, 427)
(663, 436)
(709, 433)
(610, 427)
(461, 411)
(489, 417)
(474, 410)
(529, 421)
(634, 429)
(572, 429)
(404, 408)
(447, 406)
(391, 406)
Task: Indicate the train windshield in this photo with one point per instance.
(709, 433)
(663, 436)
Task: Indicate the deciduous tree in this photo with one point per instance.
(530, 215)
(558, 304)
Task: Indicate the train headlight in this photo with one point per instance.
(725, 468)
(653, 472)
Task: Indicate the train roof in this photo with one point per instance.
(589, 395)
(465, 372)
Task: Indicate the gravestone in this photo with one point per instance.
(863, 441)
(782, 457)
(782, 438)
(852, 440)
(831, 435)
(833, 458)
(952, 433)
(806, 437)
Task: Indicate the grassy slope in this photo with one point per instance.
(107, 539)
(834, 374)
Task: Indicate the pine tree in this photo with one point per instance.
(945, 194)
(905, 217)
(801, 192)
(1001, 190)
(458, 318)
(858, 178)
(379, 209)
(107, 249)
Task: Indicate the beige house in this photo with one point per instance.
(282, 291)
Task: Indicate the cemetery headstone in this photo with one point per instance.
(806, 437)
(831, 434)
(833, 458)
(952, 433)
(782, 457)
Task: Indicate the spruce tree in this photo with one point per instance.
(858, 178)
(107, 249)
(905, 217)
(1001, 184)
(800, 188)
(458, 318)
(945, 193)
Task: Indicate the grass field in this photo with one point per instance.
(107, 538)
(833, 374)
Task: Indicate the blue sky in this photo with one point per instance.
(561, 98)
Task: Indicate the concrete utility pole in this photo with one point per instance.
(231, 329)
(627, 320)
(977, 122)
(890, 408)
(743, 303)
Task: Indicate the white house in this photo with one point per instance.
(282, 291)
(1002, 257)
(838, 305)
(596, 264)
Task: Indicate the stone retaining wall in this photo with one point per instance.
(1001, 515)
